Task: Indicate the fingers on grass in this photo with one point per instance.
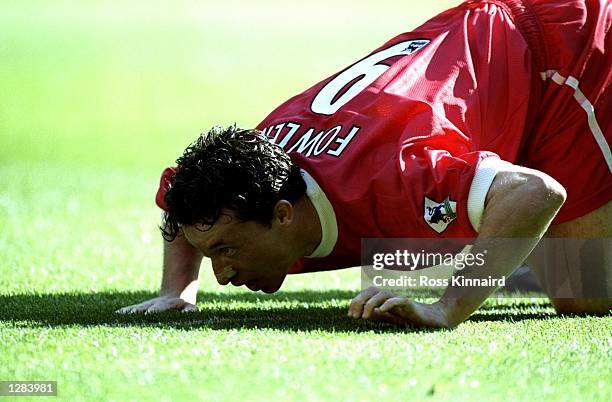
(357, 304)
(389, 304)
(378, 315)
(134, 308)
(158, 307)
(374, 302)
(169, 304)
(189, 308)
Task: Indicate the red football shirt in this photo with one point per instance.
(405, 142)
(399, 144)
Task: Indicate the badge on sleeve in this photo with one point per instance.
(439, 215)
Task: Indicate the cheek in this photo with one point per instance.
(264, 260)
(268, 256)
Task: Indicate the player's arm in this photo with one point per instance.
(181, 266)
(520, 204)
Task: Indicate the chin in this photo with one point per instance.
(273, 287)
(270, 289)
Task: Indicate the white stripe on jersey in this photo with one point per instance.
(587, 106)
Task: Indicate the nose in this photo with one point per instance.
(224, 273)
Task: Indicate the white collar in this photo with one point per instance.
(327, 217)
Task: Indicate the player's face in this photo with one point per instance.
(245, 253)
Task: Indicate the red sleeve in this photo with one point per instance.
(479, 95)
(449, 190)
(164, 186)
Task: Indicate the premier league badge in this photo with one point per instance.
(439, 215)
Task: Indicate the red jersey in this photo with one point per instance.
(395, 140)
(406, 141)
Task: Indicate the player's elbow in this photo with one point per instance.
(527, 197)
(537, 199)
(546, 193)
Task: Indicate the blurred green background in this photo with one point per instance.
(128, 84)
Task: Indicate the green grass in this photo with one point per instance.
(95, 99)
(297, 345)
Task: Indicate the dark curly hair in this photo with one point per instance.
(232, 168)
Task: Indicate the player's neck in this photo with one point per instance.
(309, 225)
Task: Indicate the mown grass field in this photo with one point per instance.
(96, 97)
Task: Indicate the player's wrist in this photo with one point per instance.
(450, 312)
(169, 293)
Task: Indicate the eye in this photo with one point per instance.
(227, 251)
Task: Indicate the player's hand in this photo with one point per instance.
(159, 304)
(377, 305)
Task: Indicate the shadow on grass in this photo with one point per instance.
(220, 311)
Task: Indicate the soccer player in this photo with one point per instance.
(488, 121)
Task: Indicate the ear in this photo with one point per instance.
(283, 213)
